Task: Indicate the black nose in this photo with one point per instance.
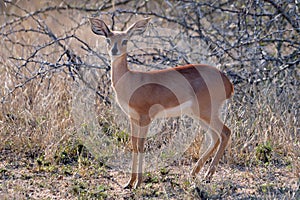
(114, 50)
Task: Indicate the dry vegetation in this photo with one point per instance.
(60, 130)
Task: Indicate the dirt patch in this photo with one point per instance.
(23, 178)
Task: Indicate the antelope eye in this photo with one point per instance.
(108, 41)
(124, 42)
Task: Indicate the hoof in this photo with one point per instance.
(130, 186)
(127, 186)
(193, 175)
(137, 184)
(209, 174)
(206, 180)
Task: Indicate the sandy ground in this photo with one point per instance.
(23, 178)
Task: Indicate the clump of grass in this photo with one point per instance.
(263, 153)
(263, 124)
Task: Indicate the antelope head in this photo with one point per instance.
(117, 40)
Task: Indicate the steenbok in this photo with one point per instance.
(197, 90)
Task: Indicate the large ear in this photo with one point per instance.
(99, 27)
(138, 27)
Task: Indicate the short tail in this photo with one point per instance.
(229, 88)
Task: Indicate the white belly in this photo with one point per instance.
(184, 108)
(157, 111)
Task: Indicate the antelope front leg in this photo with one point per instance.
(138, 136)
(134, 163)
(141, 143)
(142, 135)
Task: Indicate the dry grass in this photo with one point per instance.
(55, 133)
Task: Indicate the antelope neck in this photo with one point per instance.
(119, 67)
